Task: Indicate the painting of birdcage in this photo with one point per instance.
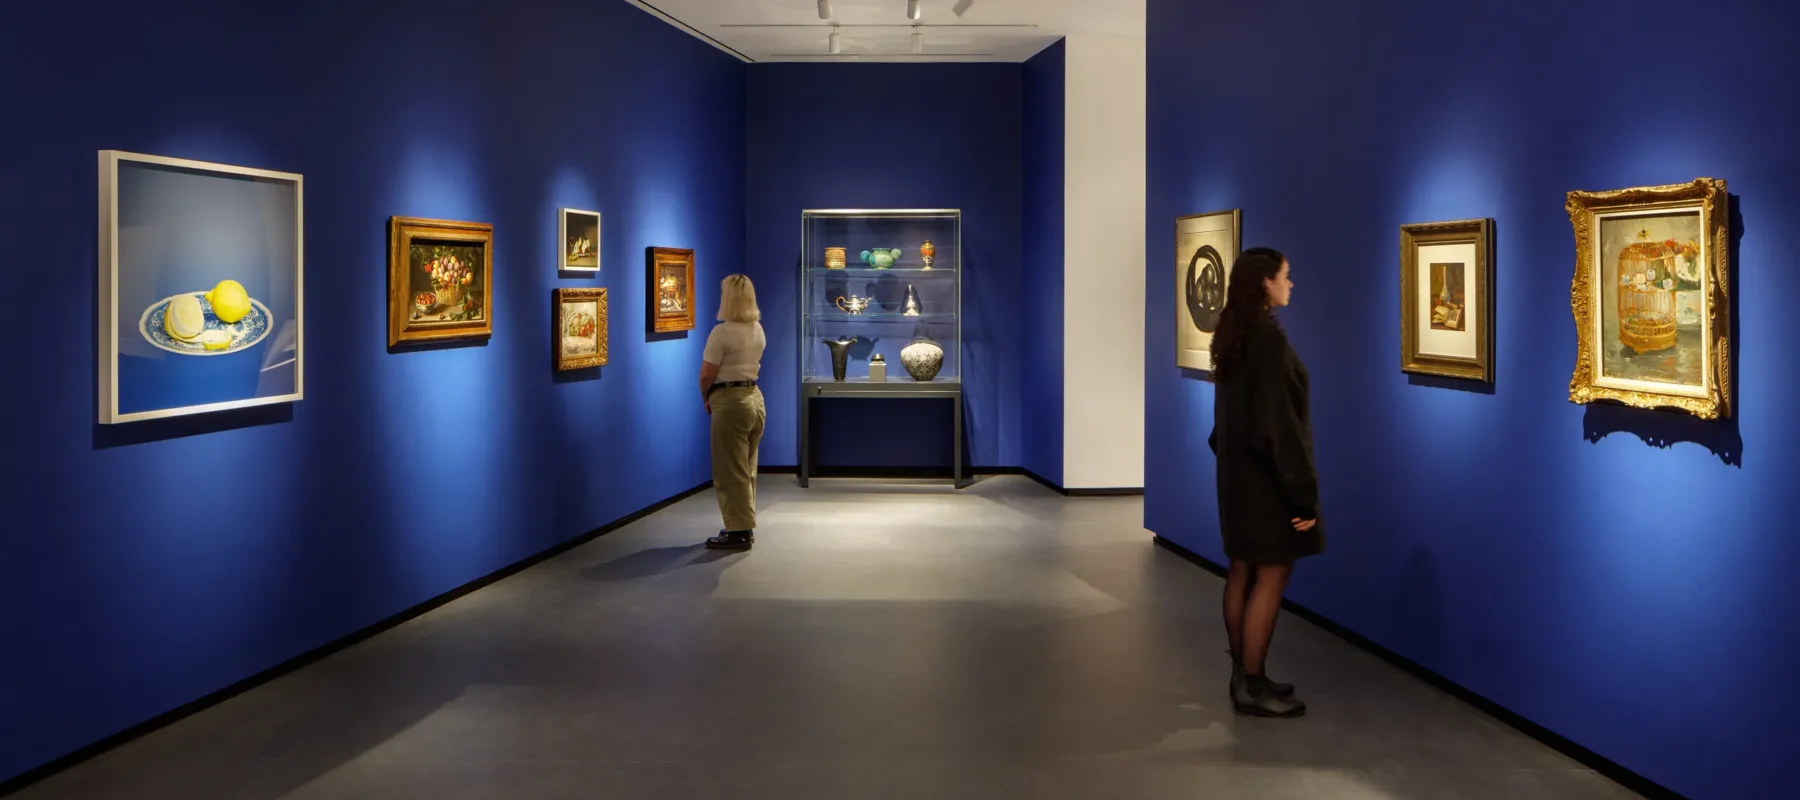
(1650, 296)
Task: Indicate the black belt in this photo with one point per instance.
(727, 384)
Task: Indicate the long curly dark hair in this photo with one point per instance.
(1246, 307)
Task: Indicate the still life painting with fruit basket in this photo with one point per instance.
(579, 335)
(200, 287)
(1650, 297)
(439, 280)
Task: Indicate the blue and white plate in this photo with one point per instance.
(244, 333)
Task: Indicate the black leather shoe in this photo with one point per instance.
(1249, 701)
(1282, 690)
(731, 540)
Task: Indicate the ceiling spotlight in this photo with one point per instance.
(918, 40)
(835, 47)
(824, 9)
(912, 9)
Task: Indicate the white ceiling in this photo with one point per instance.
(879, 30)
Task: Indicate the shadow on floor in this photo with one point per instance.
(652, 562)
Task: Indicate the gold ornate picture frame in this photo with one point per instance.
(578, 328)
(1651, 297)
(440, 280)
(671, 288)
(1447, 299)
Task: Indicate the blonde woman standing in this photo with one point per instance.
(728, 373)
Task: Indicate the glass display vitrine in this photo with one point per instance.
(880, 310)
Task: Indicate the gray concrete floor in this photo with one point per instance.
(883, 640)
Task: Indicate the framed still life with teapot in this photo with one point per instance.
(1651, 297)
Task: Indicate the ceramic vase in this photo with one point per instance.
(927, 252)
(922, 359)
(840, 356)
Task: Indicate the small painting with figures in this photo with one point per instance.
(579, 335)
(580, 237)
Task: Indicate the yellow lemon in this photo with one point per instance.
(215, 340)
(184, 320)
(229, 301)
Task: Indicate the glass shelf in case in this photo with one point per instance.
(869, 278)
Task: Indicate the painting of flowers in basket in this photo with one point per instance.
(439, 279)
(580, 332)
(1650, 297)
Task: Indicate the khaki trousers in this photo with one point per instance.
(737, 428)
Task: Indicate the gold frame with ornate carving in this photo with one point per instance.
(1705, 196)
(558, 297)
(1478, 233)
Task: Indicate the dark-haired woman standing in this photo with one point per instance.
(1268, 488)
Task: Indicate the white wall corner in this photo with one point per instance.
(1103, 274)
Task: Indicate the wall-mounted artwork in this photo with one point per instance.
(200, 287)
(1206, 245)
(1651, 297)
(579, 321)
(671, 289)
(1446, 299)
(579, 232)
(440, 280)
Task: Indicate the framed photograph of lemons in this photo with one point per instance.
(200, 287)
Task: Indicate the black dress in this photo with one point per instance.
(1262, 436)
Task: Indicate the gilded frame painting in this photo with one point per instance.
(440, 280)
(671, 288)
(1651, 297)
(1447, 299)
(201, 278)
(1206, 246)
(578, 328)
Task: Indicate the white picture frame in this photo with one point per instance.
(571, 224)
(173, 230)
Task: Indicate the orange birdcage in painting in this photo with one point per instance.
(1647, 293)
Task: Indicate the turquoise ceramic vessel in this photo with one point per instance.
(881, 257)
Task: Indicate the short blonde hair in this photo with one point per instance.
(737, 299)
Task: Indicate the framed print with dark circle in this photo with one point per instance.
(440, 280)
(1206, 245)
(1651, 297)
(579, 233)
(200, 287)
(1447, 299)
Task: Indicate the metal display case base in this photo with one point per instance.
(904, 387)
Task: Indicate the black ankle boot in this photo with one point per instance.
(1254, 698)
(1282, 690)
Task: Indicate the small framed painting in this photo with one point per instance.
(1206, 245)
(440, 280)
(579, 232)
(199, 287)
(1446, 299)
(579, 317)
(1651, 297)
(671, 289)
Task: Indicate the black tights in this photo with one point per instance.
(1252, 601)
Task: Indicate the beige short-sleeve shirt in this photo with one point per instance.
(737, 347)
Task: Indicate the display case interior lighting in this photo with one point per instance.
(912, 9)
(824, 9)
(834, 41)
(918, 40)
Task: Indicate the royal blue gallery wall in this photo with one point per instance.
(822, 136)
(145, 566)
(1041, 413)
(1623, 578)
